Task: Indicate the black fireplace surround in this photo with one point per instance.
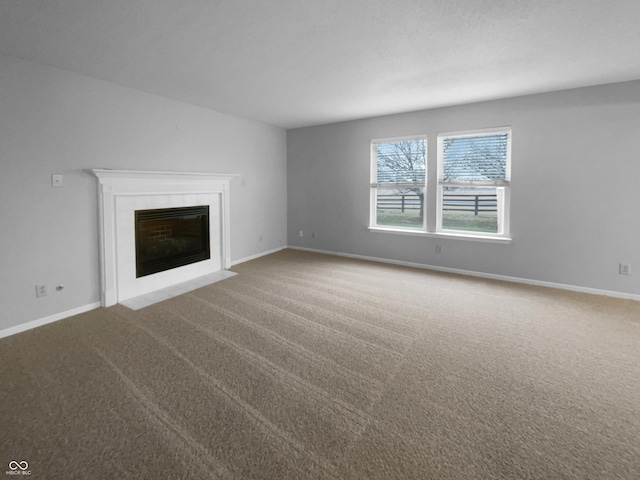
(168, 238)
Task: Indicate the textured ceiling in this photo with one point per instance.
(294, 63)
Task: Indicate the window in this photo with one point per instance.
(398, 176)
(473, 182)
(471, 188)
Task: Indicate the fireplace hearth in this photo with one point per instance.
(168, 238)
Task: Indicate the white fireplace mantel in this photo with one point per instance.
(121, 192)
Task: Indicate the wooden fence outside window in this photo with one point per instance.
(476, 203)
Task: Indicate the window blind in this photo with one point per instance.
(477, 159)
(401, 162)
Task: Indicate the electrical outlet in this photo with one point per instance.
(300, 233)
(624, 269)
(41, 291)
(57, 181)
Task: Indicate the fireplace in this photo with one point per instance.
(200, 242)
(168, 238)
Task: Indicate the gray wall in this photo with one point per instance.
(56, 122)
(575, 199)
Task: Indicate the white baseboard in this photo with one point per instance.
(257, 255)
(50, 319)
(471, 273)
(595, 291)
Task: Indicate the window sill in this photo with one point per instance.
(458, 236)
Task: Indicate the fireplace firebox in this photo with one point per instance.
(168, 238)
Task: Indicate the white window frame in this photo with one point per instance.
(375, 185)
(503, 186)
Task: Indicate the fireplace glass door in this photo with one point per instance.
(171, 237)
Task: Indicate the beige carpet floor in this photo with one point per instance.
(306, 366)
